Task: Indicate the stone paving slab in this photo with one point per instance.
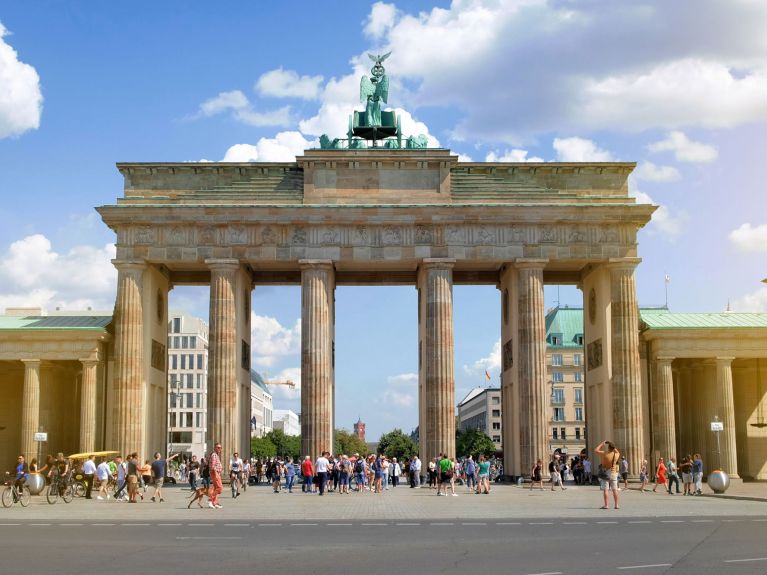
(401, 504)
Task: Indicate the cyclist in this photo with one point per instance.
(60, 470)
(21, 473)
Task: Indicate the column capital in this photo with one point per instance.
(127, 265)
(530, 263)
(31, 362)
(316, 264)
(222, 264)
(437, 263)
(89, 362)
(724, 361)
(663, 359)
(625, 264)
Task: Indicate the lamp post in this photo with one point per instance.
(172, 394)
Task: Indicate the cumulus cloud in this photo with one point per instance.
(281, 83)
(284, 392)
(33, 273)
(580, 150)
(380, 20)
(663, 220)
(755, 301)
(284, 147)
(271, 341)
(491, 362)
(750, 238)
(21, 101)
(515, 155)
(685, 149)
(403, 379)
(651, 173)
(241, 109)
(398, 398)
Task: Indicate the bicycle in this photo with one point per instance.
(15, 493)
(59, 488)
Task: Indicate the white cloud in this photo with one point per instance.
(224, 101)
(650, 172)
(515, 155)
(755, 301)
(685, 149)
(281, 83)
(271, 341)
(750, 239)
(32, 273)
(398, 398)
(666, 223)
(284, 392)
(464, 158)
(403, 379)
(242, 110)
(491, 362)
(284, 147)
(580, 150)
(21, 101)
(413, 127)
(380, 20)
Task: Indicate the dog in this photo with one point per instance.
(197, 496)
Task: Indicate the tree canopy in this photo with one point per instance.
(397, 444)
(473, 442)
(348, 443)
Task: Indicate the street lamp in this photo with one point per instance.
(173, 394)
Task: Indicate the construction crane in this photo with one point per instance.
(286, 382)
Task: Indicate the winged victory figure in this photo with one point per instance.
(375, 90)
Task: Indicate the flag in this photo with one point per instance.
(487, 375)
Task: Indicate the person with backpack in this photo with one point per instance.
(469, 471)
(359, 471)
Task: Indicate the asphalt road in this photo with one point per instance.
(705, 545)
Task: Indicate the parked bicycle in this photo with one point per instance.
(59, 488)
(15, 493)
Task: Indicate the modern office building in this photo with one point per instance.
(261, 406)
(481, 409)
(287, 421)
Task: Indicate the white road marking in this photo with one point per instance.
(102, 524)
(199, 524)
(512, 523)
(745, 560)
(40, 524)
(672, 521)
(270, 524)
(574, 523)
(607, 522)
(70, 524)
(236, 524)
(702, 520)
(407, 524)
(340, 524)
(731, 520)
(303, 524)
(203, 538)
(547, 573)
(640, 521)
(646, 566)
(169, 525)
(134, 524)
(759, 520)
(373, 524)
(442, 524)
(473, 523)
(541, 523)
(9, 524)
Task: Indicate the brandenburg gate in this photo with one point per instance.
(412, 216)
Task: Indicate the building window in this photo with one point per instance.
(578, 376)
(497, 438)
(199, 361)
(578, 395)
(192, 342)
(577, 433)
(199, 400)
(173, 420)
(176, 342)
(176, 325)
(556, 339)
(558, 377)
(559, 414)
(558, 395)
(174, 361)
(577, 359)
(563, 432)
(578, 414)
(185, 342)
(496, 413)
(556, 359)
(496, 426)
(496, 400)
(554, 433)
(199, 381)
(579, 339)
(199, 419)
(183, 361)
(189, 419)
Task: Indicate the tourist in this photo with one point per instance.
(194, 470)
(608, 480)
(432, 470)
(587, 473)
(89, 472)
(445, 473)
(673, 477)
(159, 467)
(555, 475)
(344, 473)
(20, 477)
(103, 474)
(660, 474)
(235, 474)
(385, 465)
(370, 467)
(275, 474)
(321, 466)
(697, 473)
(133, 477)
(245, 479)
(146, 477)
(307, 471)
(205, 473)
(415, 472)
(359, 471)
(643, 476)
(536, 475)
(216, 470)
(624, 471)
(378, 474)
(685, 468)
(483, 486)
(290, 475)
(394, 472)
(120, 474)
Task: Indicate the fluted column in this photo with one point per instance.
(88, 405)
(436, 283)
(628, 422)
(222, 356)
(317, 379)
(534, 409)
(128, 407)
(726, 409)
(665, 418)
(30, 408)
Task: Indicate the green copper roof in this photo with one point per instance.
(56, 322)
(662, 319)
(567, 324)
(256, 378)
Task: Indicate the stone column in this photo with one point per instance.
(128, 407)
(222, 356)
(317, 362)
(699, 416)
(726, 408)
(628, 422)
(436, 283)
(665, 418)
(534, 414)
(30, 409)
(88, 405)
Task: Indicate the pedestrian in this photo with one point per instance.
(159, 467)
(216, 470)
(359, 472)
(344, 473)
(205, 472)
(307, 471)
(290, 475)
(643, 476)
(103, 474)
(146, 477)
(660, 474)
(275, 474)
(587, 472)
(385, 465)
(608, 479)
(132, 475)
(470, 472)
(395, 471)
(673, 476)
(89, 472)
(484, 476)
(321, 466)
(555, 475)
(432, 470)
(194, 470)
(415, 472)
(685, 468)
(536, 475)
(624, 471)
(378, 474)
(121, 473)
(697, 473)
(445, 466)
(235, 474)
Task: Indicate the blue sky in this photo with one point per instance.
(680, 89)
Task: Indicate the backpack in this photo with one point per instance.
(359, 467)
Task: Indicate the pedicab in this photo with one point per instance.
(76, 461)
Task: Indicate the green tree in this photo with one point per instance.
(397, 444)
(348, 443)
(285, 445)
(473, 442)
(262, 447)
